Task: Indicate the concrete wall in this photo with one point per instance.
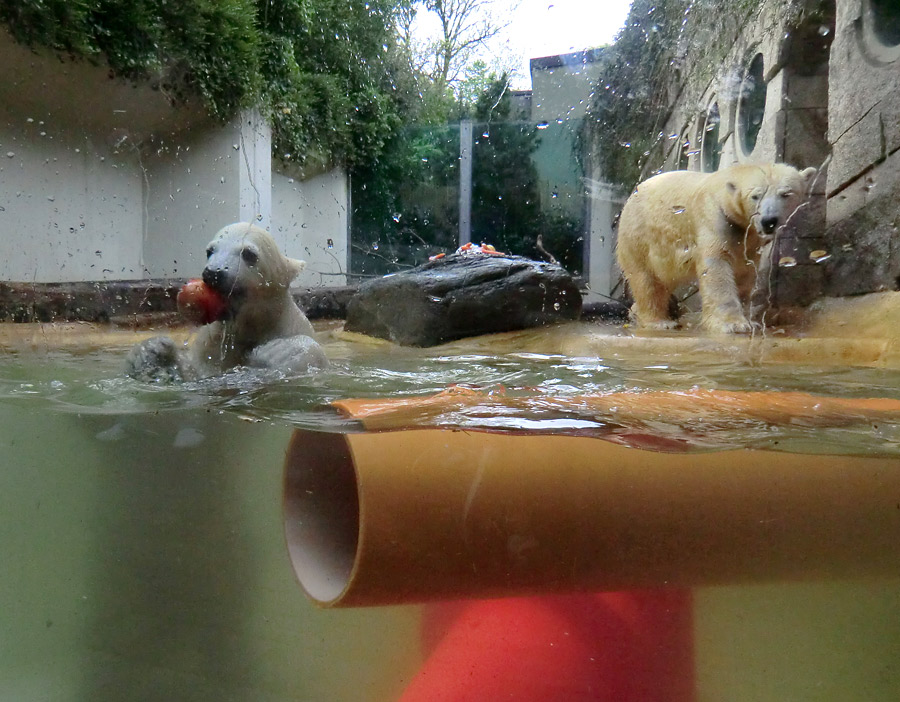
(863, 212)
(312, 224)
(70, 203)
(561, 88)
(570, 181)
(104, 180)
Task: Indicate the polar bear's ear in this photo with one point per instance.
(808, 174)
(294, 266)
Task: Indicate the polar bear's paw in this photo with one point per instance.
(741, 326)
(293, 354)
(157, 360)
(661, 325)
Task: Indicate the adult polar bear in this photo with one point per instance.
(682, 226)
(260, 324)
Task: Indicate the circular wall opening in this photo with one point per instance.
(710, 148)
(751, 105)
(684, 145)
(884, 18)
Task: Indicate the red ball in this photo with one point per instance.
(200, 304)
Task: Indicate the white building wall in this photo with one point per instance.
(70, 204)
(603, 271)
(102, 180)
(311, 223)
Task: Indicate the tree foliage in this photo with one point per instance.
(406, 206)
(316, 68)
(465, 28)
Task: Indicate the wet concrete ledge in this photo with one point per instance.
(132, 303)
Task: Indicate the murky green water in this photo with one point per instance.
(91, 383)
(141, 535)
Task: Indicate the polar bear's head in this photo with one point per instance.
(772, 193)
(243, 260)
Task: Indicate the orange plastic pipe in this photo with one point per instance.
(411, 516)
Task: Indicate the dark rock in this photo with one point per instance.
(325, 303)
(132, 301)
(463, 295)
(607, 311)
(85, 301)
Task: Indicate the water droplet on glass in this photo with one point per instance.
(678, 209)
(10, 154)
(543, 125)
(819, 256)
(396, 216)
(236, 147)
(787, 261)
(486, 135)
(330, 243)
(824, 31)
(375, 246)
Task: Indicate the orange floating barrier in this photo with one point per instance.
(674, 407)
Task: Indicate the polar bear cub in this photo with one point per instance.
(685, 226)
(261, 325)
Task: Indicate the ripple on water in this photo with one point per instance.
(92, 383)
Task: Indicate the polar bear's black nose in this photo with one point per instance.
(769, 224)
(213, 277)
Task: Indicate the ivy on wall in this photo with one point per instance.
(314, 68)
(668, 52)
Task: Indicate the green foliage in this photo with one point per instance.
(406, 204)
(665, 46)
(506, 206)
(316, 68)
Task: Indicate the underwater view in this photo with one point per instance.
(85, 380)
(145, 523)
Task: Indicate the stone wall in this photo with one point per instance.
(864, 131)
(821, 91)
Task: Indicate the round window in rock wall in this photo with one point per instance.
(884, 17)
(751, 105)
(710, 148)
(684, 145)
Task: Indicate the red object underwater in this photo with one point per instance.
(612, 647)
